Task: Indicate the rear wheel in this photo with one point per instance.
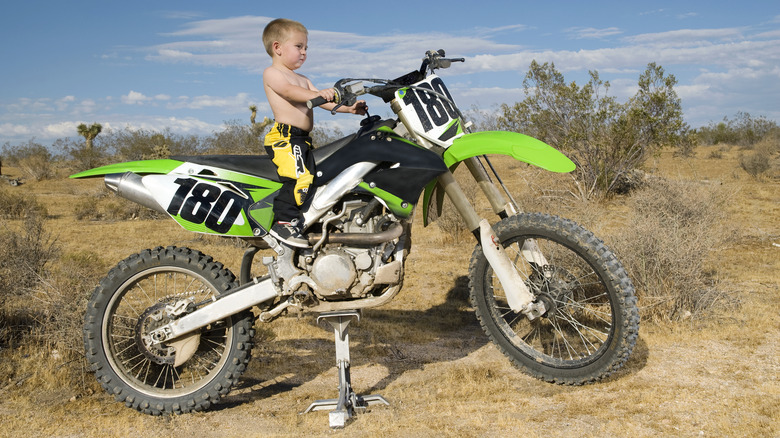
(131, 301)
(592, 321)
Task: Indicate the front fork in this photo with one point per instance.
(519, 297)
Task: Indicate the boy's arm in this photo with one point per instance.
(276, 81)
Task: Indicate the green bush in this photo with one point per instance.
(606, 139)
(743, 130)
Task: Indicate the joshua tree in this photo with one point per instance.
(257, 128)
(253, 108)
(89, 133)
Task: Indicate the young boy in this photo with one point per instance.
(288, 143)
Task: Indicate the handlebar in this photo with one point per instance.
(343, 94)
(317, 101)
(435, 59)
(347, 90)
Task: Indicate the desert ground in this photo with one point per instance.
(712, 374)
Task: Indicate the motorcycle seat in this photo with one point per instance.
(259, 165)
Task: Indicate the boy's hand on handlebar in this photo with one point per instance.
(329, 94)
(360, 108)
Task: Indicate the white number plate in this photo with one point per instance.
(432, 117)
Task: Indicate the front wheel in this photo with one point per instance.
(133, 300)
(591, 323)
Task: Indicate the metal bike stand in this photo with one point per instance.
(348, 401)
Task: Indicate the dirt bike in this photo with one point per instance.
(169, 330)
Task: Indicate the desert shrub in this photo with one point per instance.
(139, 144)
(236, 138)
(24, 255)
(80, 155)
(42, 302)
(673, 227)
(763, 158)
(755, 163)
(117, 208)
(606, 139)
(744, 130)
(24, 260)
(33, 159)
(37, 167)
(322, 135)
(86, 208)
(61, 301)
(14, 205)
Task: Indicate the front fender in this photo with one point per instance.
(519, 146)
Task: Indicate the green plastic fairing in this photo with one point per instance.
(139, 167)
(520, 147)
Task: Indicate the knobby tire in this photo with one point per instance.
(124, 304)
(592, 322)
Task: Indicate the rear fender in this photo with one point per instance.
(144, 167)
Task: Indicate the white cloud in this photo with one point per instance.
(227, 104)
(682, 37)
(60, 130)
(592, 32)
(14, 130)
(135, 98)
(85, 106)
(236, 42)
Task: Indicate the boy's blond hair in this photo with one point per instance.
(279, 30)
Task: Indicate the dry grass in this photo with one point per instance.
(715, 375)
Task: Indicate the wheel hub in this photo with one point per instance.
(154, 317)
(553, 287)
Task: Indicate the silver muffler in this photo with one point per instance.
(130, 186)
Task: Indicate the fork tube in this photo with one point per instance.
(498, 202)
(460, 201)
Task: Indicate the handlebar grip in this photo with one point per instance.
(317, 101)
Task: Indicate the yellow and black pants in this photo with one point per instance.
(289, 148)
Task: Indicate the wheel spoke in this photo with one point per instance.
(160, 288)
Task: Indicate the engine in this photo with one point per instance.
(357, 254)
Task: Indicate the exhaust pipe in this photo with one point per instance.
(391, 233)
(130, 186)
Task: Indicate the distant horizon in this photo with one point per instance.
(196, 65)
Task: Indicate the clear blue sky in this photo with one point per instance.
(190, 66)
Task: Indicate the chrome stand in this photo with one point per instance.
(343, 407)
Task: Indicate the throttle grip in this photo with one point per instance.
(317, 101)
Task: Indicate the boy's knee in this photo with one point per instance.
(302, 187)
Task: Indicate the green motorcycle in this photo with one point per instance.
(169, 330)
